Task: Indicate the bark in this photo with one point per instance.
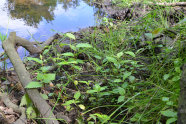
(182, 99)
(24, 77)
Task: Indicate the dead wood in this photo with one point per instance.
(24, 76)
(170, 4)
(22, 120)
(182, 98)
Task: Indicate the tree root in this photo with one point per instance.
(24, 76)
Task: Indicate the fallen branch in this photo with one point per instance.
(22, 120)
(169, 4)
(24, 76)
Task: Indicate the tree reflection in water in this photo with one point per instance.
(34, 11)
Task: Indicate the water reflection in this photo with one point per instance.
(34, 19)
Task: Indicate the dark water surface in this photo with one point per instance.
(35, 19)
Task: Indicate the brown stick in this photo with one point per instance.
(24, 76)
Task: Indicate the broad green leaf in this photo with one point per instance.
(46, 78)
(25, 100)
(126, 75)
(119, 54)
(170, 103)
(176, 78)
(82, 106)
(45, 68)
(34, 84)
(121, 91)
(125, 85)
(77, 95)
(30, 112)
(35, 59)
(67, 63)
(83, 45)
(71, 36)
(97, 57)
(117, 80)
(130, 53)
(169, 113)
(121, 99)
(68, 54)
(111, 59)
(165, 99)
(171, 120)
(132, 78)
(166, 76)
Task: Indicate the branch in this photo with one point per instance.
(24, 76)
(169, 4)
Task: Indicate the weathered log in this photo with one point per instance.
(169, 4)
(182, 99)
(24, 76)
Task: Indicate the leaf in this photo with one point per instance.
(130, 53)
(149, 35)
(156, 31)
(111, 59)
(71, 36)
(117, 80)
(119, 54)
(44, 96)
(121, 99)
(176, 78)
(82, 106)
(45, 68)
(31, 113)
(121, 91)
(126, 75)
(68, 54)
(77, 95)
(25, 100)
(34, 84)
(46, 78)
(69, 102)
(35, 59)
(171, 120)
(166, 76)
(97, 57)
(169, 113)
(132, 78)
(83, 45)
(165, 99)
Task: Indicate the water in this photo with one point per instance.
(35, 19)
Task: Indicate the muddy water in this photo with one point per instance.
(40, 19)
